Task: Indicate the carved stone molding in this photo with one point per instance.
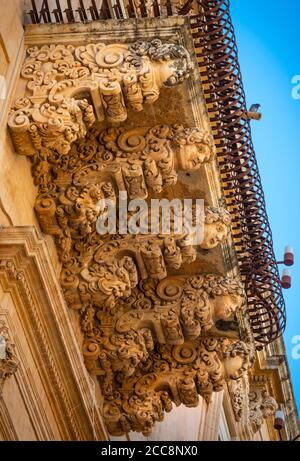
(28, 277)
(69, 88)
(8, 359)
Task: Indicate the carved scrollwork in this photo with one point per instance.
(8, 359)
(173, 311)
(262, 406)
(53, 114)
(153, 338)
(239, 394)
(172, 374)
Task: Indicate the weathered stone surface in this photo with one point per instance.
(160, 315)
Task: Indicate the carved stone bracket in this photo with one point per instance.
(140, 161)
(172, 374)
(239, 395)
(262, 406)
(251, 401)
(68, 88)
(8, 359)
(173, 311)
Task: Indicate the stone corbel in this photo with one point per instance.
(239, 396)
(8, 359)
(138, 161)
(262, 406)
(173, 311)
(173, 374)
(69, 88)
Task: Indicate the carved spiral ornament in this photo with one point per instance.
(185, 353)
(170, 291)
(111, 56)
(142, 328)
(131, 141)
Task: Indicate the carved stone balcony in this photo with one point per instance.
(164, 320)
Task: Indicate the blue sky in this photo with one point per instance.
(268, 37)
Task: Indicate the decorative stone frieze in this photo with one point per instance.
(8, 359)
(69, 88)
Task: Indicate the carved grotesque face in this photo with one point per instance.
(167, 73)
(226, 305)
(232, 367)
(196, 155)
(268, 406)
(214, 234)
(192, 156)
(61, 145)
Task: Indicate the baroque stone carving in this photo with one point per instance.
(239, 394)
(108, 162)
(261, 405)
(68, 88)
(172, 374)
(173, 311)
(139, 161)
(8, 359)
(151, 338)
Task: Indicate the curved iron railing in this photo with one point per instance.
(215, 44)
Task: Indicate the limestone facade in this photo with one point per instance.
(116, 331)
